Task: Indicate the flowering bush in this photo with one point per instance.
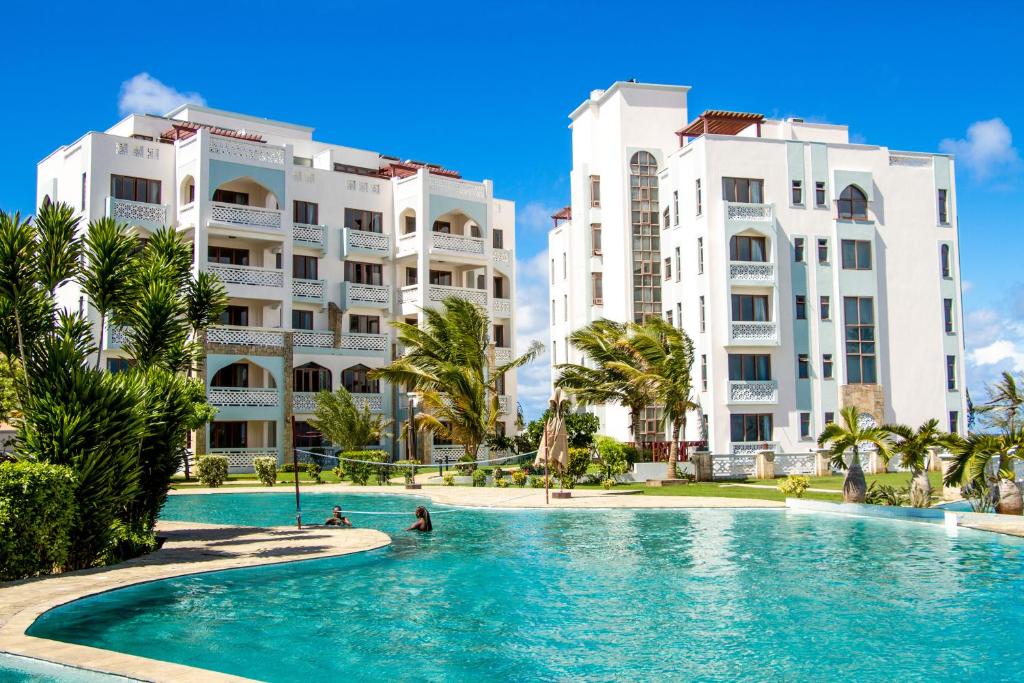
(794, 485)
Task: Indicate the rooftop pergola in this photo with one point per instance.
(563, 214)
(717, 122)
(183, 130)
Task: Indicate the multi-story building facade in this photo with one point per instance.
(810, 272)
(319, 246)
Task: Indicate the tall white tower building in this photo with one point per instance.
(320, 247)
(811, 273)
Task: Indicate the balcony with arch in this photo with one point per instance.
(244, 384)
(245, 203)
(309, 379)
(752, 259)
(456, 233)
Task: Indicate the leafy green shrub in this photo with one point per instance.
(212, 470)
(313, 470)
(409, 470)
(519, 478)
(467, 464)
(126, 543)
(611, 456)
(448, 479)
(632, 454)
(498, 474)
(881, 494)
(266, 470)
(579, 461)
(794, 485)
(359, 472)
(539, 482)
(479, 478)
(607, 484)
(501, 483)
(37, 508)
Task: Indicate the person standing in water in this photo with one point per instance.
(422, 520)
(336, 519)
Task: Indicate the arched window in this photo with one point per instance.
(853, 204)
(354, 379)
(312, 378)
(646, 239)
(944, 260)
(234, 375)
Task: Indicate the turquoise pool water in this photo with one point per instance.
(26, 670)
(710, 595)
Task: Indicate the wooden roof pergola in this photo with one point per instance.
(717, 122)
(563, 214)
(183, 130)
(396, 169)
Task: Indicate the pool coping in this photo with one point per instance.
(190, 549)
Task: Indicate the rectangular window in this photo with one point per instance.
(116, 365)
(595, 237)
(703, 372)
(745, 190)
(411, 276)
(700, 255)
(364, 324)
(565, 266)
(364, 221)
(597, 281)
(798, 249)
(227, 256)
(305, 212)
(668, 318)
(744, 248)
(825, 308)
(826, 366)
(947, 315)
(803, 366)
(498, 288)
(750, 427)
(805, 425)
(440, 277)
(554, 352)
(679, 265)
(750, 367)
(819, 193)
(497, 239)
(552, 271)
(679, 314)
(830, 417)
(801, 307)
(859, 314)
(943, 208)
(702, 327)
(954, 422)
(822, 251)
(944, 261)
(231, 197)
(410, 225)
(235, 315)
(305, 267)
(302, 320)
(675, 207)
(135, 189)
(228, 434)
(552, 311)
(951, 373)
(364, 273)
(595, 190)
(83, 192)
(797, 195)
(668, 269)
(565, 306)
(666, 216)
(700, 200)
(750, 307)
(856, 254)
(499, 336)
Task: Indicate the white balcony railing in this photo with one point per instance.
(187, 215)
(456, 188)
(740, 211)
(308, 290)
(115, 337)
(744, 447)
(247, 275)
(306, 235)
(374, 401)
(459, 244)
(244, 397)
(438, 293)
(754, 272)
(251, 217)
(752, 332)
(137, 213)
(503, 403)
(354, 341)
(369, 242)
(243, 457)
(755, 391)
(501, 256)
(304, 402)
(357, 294)
(502, 355)
(501, 307)
(245, 151)
(407, 242)
(245, 336)
(315, 339)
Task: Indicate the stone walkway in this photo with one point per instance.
(190, 548)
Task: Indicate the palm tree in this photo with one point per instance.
(107, 276)
(605, 344)
(1004, 405)
(914, 448)
(448, 363)
(347, 425)
(19, 262)
(973, 456)
(852, 436)
(207, 299)
(59, 246)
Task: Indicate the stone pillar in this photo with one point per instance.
(334, 322)
(948, 492)
(702, 469)
(822, 463)
(764, 465)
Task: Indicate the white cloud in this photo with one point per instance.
(995, 343)
(986, 151)
(143, 94)
(997, 352)
(534, 217)
(534, 380)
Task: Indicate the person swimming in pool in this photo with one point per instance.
(422, 520)
(336, 519)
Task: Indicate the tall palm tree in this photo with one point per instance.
(19, 262)
(914, 448)
(448, 364)
(851, 436)
(1004, 404)
(606, 346)
(207, 299)
(974, 455)
(107, 276)
(59, 246)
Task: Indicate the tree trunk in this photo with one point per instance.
(673, 449)
(21, 350)
(99, 345)
(855, 487)
(920, 490)
(1010, 501)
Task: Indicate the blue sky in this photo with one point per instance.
(486, 90)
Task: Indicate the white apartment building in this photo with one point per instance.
(320, 247)
(810, 272)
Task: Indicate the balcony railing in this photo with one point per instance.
(458, 244)
(501, 256)
(501, 308)
(308, 290)
(360, 241)
(247, 275)
(456, 188)
(741, 211)
(249, 217)
(502, 355)
(245, 152)
(373, 343)
(438, 293)
(358, 294)
(243, 457)
(312, 236)
(407, 242)
(375, 402)
(745, 447)
(243, 397)
(751, 272)
(753, 332)
(152, 216)
(503, 403)
(245, 336)
(315, 339)
(115, 337)
(754, 391)
(304, 402)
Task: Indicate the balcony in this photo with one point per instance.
(149, 216)
(355, 294)
(313, 339)
(751, 273)
(115, 337)
(304, 402)
(456, 244)
(501, 308)
(750, 213)
(438, 293)
(502, 257)
(242, 397)
(461, 189)
(502, 355)
(243, 457)
(243, 151)
(246, 217)
(247, 275)
(308, 291)
(756, 391)
(752, 447)
(375, 402)
(245, 336)
(310, 236)
(753, 333)
(362, 242)
(503, 403)
(364, 343)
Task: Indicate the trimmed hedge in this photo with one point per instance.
(359, 472)
(266, 470)
(37, 509)
(212, 470)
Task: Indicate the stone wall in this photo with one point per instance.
(868, 398)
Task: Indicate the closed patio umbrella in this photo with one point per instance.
(553, 451)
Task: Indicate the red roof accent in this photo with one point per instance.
(404, 169)
(563, 214)
(717, 122)
(183, 130)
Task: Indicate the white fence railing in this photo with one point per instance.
(307, 234)
(501, 256)
(764, 391)
(751, 271)
(131, 212)
(243, 457)
(359, 294)
(316, 339)
(502, 355)
(741, 211)
(247, 275)
(242, 150)
(242, 397)
(501, 307)
(246, 216)
(375, 242)
(753, 332)
(460, 244)
(438, 293)
(354, 341)
(308, 290)
(245, 336)
(374, 401)
(304, 402)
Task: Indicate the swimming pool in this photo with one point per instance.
(15, 669)
(584, 594)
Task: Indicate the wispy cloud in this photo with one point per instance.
(994, 337)
(534, 217)
(987, 150)
(534, 380)
(143, 94)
